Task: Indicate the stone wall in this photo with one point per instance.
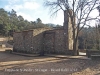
(30, 41)
(55, 42)
(92, 52)
(42, 40)
(60, 43)
(68, 30)
(38, 39)
(70, 35)
(23, 41)
(58, 40)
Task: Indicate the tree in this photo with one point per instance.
(98, 8)
(39, 20)
(13, 20)
(3, 21)
(79, 13)
(2, 29)
(9, 22)
(20, 18)
(58, 25)
(98, 24)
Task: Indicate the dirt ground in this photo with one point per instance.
(11, 64)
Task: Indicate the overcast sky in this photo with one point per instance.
(33, 9)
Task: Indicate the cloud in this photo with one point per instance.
(28, 0)
(94, 12)
(25, 5)
(15, 7)
(26, 8)
(26, 16)
(31, 5)
(59, 19)
(13, 1)
(32, 9)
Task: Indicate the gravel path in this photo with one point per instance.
(11, 64)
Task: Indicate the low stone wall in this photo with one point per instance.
(54, 42)
(29, 41)
(90, 52)
(59, 43)
(84, 51)
(42, 40)
(38, 40)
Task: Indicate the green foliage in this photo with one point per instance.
(9, 21)
(88, 39)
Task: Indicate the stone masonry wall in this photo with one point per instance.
(59, 42)
(30, 41)
(23, 41)
(34, 41)
(68, 30)
(38, 39)
(70, 35)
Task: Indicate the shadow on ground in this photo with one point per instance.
(53, 65)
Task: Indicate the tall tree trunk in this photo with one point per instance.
(75, 38)
(75, 48)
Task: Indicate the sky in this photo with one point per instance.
(33, 9)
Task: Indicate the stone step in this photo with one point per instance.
(23, 54)
(68, 56)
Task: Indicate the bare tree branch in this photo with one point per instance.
(60, 7)
(55, 12)
(79, 9)
(87, 16)
(89, 19)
